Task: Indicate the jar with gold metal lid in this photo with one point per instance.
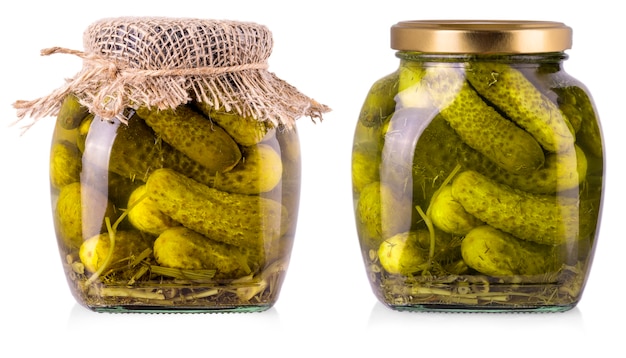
(477, 170)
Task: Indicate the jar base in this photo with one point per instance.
(181, 310)
(479, 309)
(558, 292)
(245, 296)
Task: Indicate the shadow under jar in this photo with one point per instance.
(477, 170)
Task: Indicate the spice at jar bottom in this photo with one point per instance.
(175, 178)
(477, 170)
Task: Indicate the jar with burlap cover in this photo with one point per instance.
(175, 166)
(166, 62)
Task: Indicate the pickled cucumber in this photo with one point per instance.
(246, 131)
(128, 244)
(71, 113)
(195, 136)
(145, 216)
(83, 131)
(449, 215)
(379, 102)
(439, 149)
(365, 168)
(80, 212)
(399, 149)
(381, 213)
(446, 249)
(410, 76)
(259, 171)
(411, 92)
(512, 93)
(401, 254)
(576, 103)
(561, 172)
(570, 109)
(65, 164)
(435, 155)
(505, 212)
(496, 253)
(481, 126)
(237, 219)
(544, 219)
(185, 249)
(137, 151)
(119, 190)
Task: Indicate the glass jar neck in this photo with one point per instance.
(549, 62)
(536, 58)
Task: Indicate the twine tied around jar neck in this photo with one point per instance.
(166, 62)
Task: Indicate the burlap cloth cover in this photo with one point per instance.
(165, 62)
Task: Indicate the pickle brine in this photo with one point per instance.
(475, 187)
(168, 209)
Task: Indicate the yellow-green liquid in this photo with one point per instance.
(222, 250)
(452, 210)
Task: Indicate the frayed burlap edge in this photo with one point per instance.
(106, 90)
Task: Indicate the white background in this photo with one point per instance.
(332, 51)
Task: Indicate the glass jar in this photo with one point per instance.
(477, 170)
(184, 237)
(175, 179)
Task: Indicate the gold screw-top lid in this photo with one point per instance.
(481, 36)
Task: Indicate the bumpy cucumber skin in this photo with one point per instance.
(80, 212)
(422, 167)
(65, 164)
(365, 167)
(510, 91)
(495, 253)
(128, 244)
(401, 254)
(381, 213)
(246, 131)
(448, 215)
(480, 126)
(236, 219)
(68, 216)
(71, 113)
(259, 171)
(561, 172)
(440, 145)
(137, 151)
(576, 103)
(194, 135)
(544, 219)
(438, 150)
(568, 105)
(145, 216)
(436, 153)
(379, 102)
(185, 249)
(82, 132)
